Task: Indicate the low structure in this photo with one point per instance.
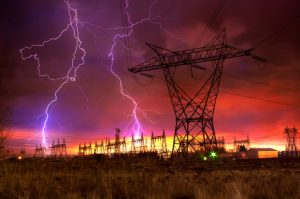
(85, 149)
(159, 144)
(40, 151)
(289, 154)
(258, 153)
(59, 149)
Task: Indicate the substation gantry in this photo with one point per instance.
(159, 144)
(59, 149)
(194, 126)
(117, 147)
(40, 151)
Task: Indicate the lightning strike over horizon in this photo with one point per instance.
(136, 128)
(72, 71)
(80, 53)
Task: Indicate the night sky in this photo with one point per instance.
(255, 100)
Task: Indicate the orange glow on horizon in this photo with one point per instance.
(276, 141)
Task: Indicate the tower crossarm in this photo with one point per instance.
(194, 125)
(192, 56)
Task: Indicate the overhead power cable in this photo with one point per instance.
(211, 22)
(278, 31)
(262, 99)
(245, 96)
(262, 83)
(256, 82)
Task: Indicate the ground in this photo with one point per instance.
(149, 177)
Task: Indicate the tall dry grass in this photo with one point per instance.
(144, 178)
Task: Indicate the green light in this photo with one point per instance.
(213, 154)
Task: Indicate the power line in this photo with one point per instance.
(262, 99)
(255, 82)
(279, 30)
(211, 21)
(244, 96)
(261, 83)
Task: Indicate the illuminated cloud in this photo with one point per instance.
(255, 101)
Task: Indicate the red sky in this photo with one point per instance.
(259, 101)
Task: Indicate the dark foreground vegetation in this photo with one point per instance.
(149, 177)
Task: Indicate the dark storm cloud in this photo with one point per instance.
(93, 102)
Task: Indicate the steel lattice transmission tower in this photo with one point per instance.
(194, 127)
(291, 138)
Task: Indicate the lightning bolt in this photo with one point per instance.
(136, 127)
(79, 53)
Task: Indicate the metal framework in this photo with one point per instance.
(221, 144)
(39, 151)
(118, 146)
(239, 145)
(291, 138)
(138, 145)
(159, 144)
(194, 127)
(99, 148)
(59, 149)
(85, 149)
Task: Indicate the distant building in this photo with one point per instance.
(258, 153)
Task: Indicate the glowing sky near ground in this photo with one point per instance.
(255, 101)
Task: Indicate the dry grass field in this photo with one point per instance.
(148, 177)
